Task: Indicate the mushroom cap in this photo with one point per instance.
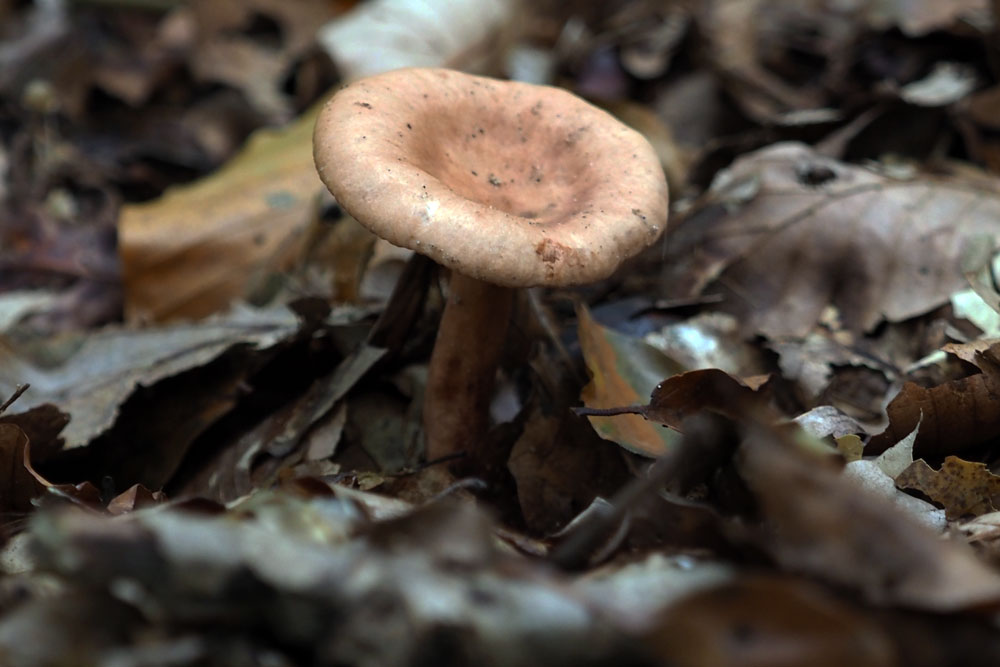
(510, 183)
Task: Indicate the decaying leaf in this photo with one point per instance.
(228, 51)
(17, 485)
(953, 416)
(766, 621)
(624, 370)
(962, 487)
(878, 476)
(785, 232)
(559, 465)
(90, 378)
(824, 524)
(193, 251)
(287, 572)
(827, 420)
(684, 395)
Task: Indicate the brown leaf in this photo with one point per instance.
(559, 466)
(623, 371)
(135, 497)
(92, 376)
(827, 525)
(767, 621)
(83, 493)
(687, 394)
(962, 487)
(953, 416)
(193, 251)
(785, 232)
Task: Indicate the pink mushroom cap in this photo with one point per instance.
(510, 183)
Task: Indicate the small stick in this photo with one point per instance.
(18, 390)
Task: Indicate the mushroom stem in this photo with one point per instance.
(463, 365)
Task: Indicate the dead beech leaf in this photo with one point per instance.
(192, 251)
(970, 350)
(827, 525)
(764, 621)
(953, 416)
(135, 497)
(624, 370)
(558, 465)
(91, 377)
(684, 395)
(962, 487)
(83, 493)
(785, 232)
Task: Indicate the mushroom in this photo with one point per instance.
(507, 184)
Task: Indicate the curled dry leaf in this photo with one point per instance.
(953, 416)
(17, 485)
(786, 232)
(685, 395)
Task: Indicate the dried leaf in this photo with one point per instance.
(786, 232)
(17, 485)
(229, 54)
(825, 524)
(962, 487)
(873, 479)
(953, 416)
(559, 466)
(851, 447)
(899, 457)
(84, 493)
(91, 378)
(767, 621)
(135, 497)
(193, 251)
(624, 371)
(827, 420)
(687, 394)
